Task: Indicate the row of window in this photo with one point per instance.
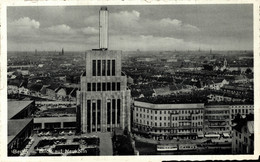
(173, 118)
(179, 131)
(217, 112)
(94, 112)
(244, 106)
(165, 124)
(103, 67)
(217, 117)
(104, 86)
(169, 111)
(236, 111)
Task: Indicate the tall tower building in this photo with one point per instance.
(104, 100)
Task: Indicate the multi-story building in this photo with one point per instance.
(217, 119)
(241, 109)
(243, 136)
(184, 120)
(168, 120)
(104, 97)
(20, 125)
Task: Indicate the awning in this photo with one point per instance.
(226, 135)
(212, 135)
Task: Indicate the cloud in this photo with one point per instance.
(125, 18)
(24, 23)
(177, 24)
(132, 22)
(60, 29)
(150, 42)
(90, 30)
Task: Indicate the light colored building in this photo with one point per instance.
(241, 109)
(168, 120)
(105, 99)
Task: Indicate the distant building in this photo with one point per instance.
(243, 136)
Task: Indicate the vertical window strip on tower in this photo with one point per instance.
(93, 115)
(113, 67)
(94, 67)
(88, 114)
(98, 112)
(108, 112)
(118, 110)
(113, 111)
(108, 67)
(103, 67)
(99, 68)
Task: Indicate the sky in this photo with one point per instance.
(147, 28)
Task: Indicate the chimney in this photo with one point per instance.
(103, 28)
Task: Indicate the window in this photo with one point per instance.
(93, 86)
(155, 117)
(118, 86)
(98, 111)
(113, 67)
(108, 67)
(103, 67)
(104, 87)
(136, 114)
(160, 118)
(98, 67)
(152, 117)
(113, 86)
(118, 110)
(108, 112)
(89, 87)
(98, 86)
(113, 111)
(108, 86)
(165, 118)
(94, 67)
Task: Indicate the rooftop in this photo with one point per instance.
(168, 106)
(15, 126)
(15, 107)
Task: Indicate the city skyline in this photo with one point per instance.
(171, 27)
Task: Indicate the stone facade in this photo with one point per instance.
(104, 98)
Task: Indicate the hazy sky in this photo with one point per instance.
(180, 27)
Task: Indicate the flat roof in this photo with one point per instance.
(168, 106)
(15, 126)
(15, 107)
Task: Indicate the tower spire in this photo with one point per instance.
(103, 28)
